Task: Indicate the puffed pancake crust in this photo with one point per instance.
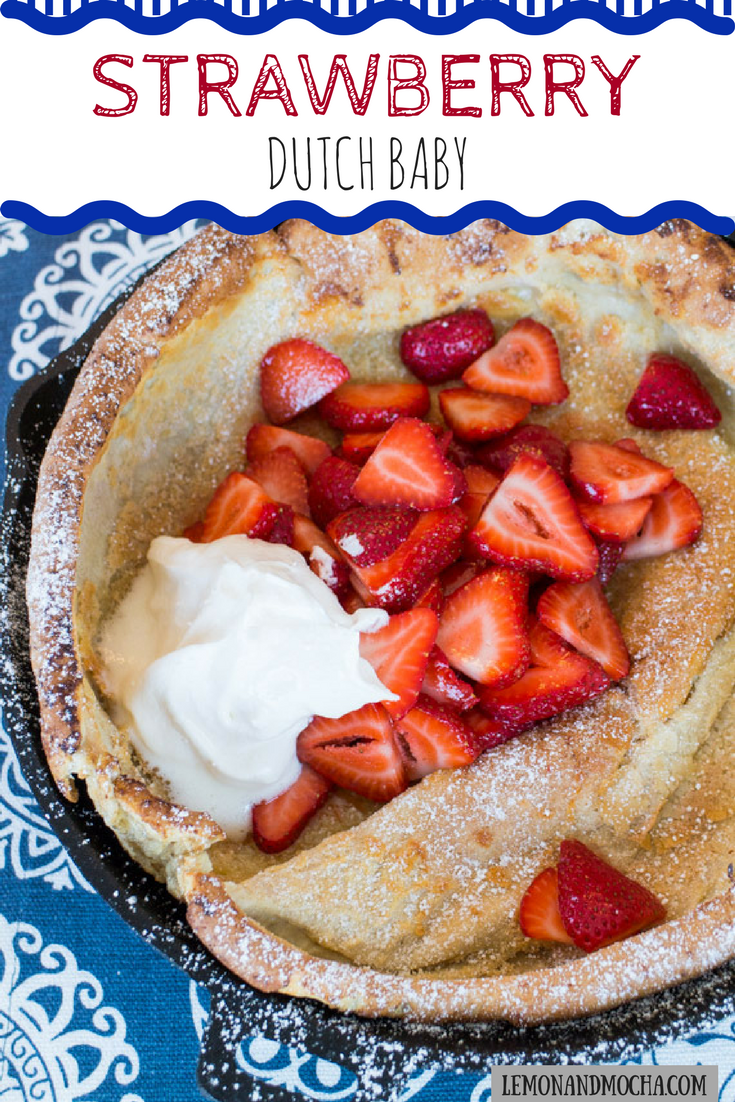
(411, 909)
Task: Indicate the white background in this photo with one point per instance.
(673, 139)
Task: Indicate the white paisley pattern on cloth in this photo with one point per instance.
(28, 846)
(58, 1041)
(88, 273)
(13, 237)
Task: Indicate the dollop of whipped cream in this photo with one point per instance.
(219, 655)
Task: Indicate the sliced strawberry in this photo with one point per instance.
(432, 597)
(525, 362)
(399, 654)
(674, 520)
(357, 447)
(473, 416)
(615, 523)
(536, 440)
(367, 407)
(238, 507)
(277, 823)
(480, 484)
(483, 629)
(283, 528)
(628, 445)
(324, 558)
(532, 522)
(283, 478)
(397, 580)
(671, 396)
(407, 468)
(610, 555)
(442, 348)
(432, 737)
(558, 678)
(330, 490)
(489, 733)
(357, 752)
(599, 905)
(457, 575)
(609, 474)
(194, 532)
(262, 439)
(295, 375)
(539, 914)
(579, 613)
(444, 686)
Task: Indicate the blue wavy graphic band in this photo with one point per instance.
(427, 223)
(505, 13)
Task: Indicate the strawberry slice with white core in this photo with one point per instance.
(399, 654)
(483, 629)
(580, 614)
(368, 407)
(525, 362)
(432, 737)
(324, 558)
(609, 474)
(277, 823)
(356, 751)
(239, 507)
(674, 521)
(446, 687)
(407, 468)
(262, 439)
(283, 478)
(559, 678)
(539, 914)
(295, 375)
(616, 523)
(473, 416)
(531, 522)
(597, 903)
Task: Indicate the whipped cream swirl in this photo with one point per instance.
(217, 658)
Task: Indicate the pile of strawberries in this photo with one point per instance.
(488, 541)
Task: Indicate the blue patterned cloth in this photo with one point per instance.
(88, 1011)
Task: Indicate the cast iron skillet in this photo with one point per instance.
(381, 1054)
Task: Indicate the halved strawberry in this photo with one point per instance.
(442, 348)
(277, 823)
(610, 474)
(539, 914)
(295, 375)
(399, 654)
(532, 522)
(407, 468)
(283, 478)
(367, 407)
(480, 484)
(473, 416)
(579, 613)
(489, 733)
(483, 629)
(330, 490)
(536, 440)
(359, 446)
(324, 558)
(674, 520)
(432, 737)
(262, 439)
(671, 396)
(397, 580)
(356, 751)
(610, 555)
(444, 686)
(615, 523)
(599, 905)
(558, 678)
(432, 597)
(283, 528)
(238, 507)
(524, 362)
